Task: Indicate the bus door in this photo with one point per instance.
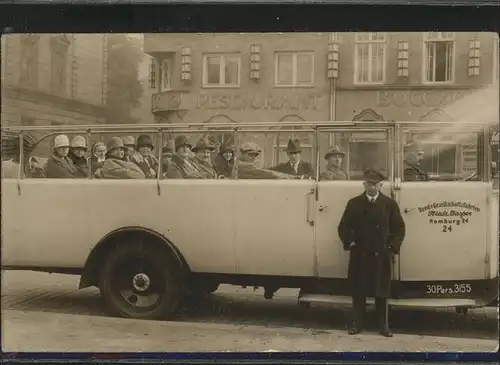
(274, 218)
(362, 148)
(445, 248)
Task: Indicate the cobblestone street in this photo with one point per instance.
(45, 312)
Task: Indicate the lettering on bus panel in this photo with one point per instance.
(419, 98)
(447, 215)
(257, 102)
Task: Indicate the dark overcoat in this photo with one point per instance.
(304, 168)
(378, 230)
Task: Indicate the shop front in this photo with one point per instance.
(235, 107)
(443, 156)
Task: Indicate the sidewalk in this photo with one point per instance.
(41, 331)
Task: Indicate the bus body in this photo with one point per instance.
(270, 233)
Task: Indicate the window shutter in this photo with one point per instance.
(474, 57)
(152, 73)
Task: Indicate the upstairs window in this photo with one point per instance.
(221, 70)
(496, 63)
(294, 69)
(29, 61)
(370, 58)
(439, 63)
(58, 64)
(166, 70)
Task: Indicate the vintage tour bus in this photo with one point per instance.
(147, 243)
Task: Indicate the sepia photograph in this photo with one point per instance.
(147, 201)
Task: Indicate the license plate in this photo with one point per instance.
(447, 289)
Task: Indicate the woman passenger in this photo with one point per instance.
(116, 166)
(144, 157)
(59, 165)
(77, 155)
(181, 166)
(166, 154)
(98, 156)
(224, 161)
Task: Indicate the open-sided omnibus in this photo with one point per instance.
(147, 243)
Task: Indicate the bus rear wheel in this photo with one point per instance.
(140, 282)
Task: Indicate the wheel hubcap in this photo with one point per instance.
(141, 282)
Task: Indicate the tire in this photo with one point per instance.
(140, 282)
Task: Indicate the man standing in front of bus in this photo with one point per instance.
(372, 230)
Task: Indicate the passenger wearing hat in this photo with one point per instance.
(144, 158)
(166, 155)
(181, 166)
(77, 152)
(295, 166)
(202, 154)
(116, 166)
(414, 154)
(247, 164)
(59, 165)
(224, 161)
(372, 230)
(129, 143)
(334, 156)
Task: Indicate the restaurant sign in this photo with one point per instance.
(272, 101)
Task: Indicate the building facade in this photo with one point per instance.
(53, 79)
(324, 77)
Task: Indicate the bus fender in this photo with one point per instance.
(95, 260)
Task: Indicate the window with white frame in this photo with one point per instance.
(166, 68)
(439, 62)
(370, 58)
(294, 69)
(221, 70)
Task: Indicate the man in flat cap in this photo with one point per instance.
(295, 166)
(248, 169)
(414, 154)
(203, 150)
(334, 158)
(372, 230)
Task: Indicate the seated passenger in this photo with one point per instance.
(115, 166)
(59, 165)
(181, 166)
(247, 167)
(224, 161)
(295, 166)
(144, 158)
(333, 168)
(11, 157)
(202, 151)
(98, 156)
(77, 155)
(129, 143)
(35, 169)
(414, 154)
(166, 156)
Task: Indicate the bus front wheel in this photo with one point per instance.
(139, 282)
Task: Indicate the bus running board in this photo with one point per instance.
(408, 303)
